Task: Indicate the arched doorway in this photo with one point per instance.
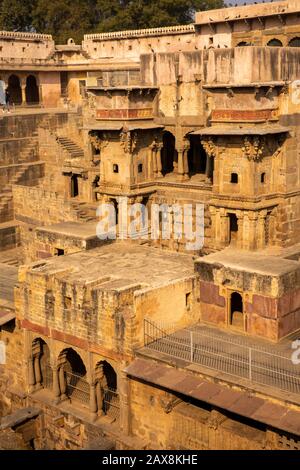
(32, 91)
(106, 393)
(74, 186)
(14, 90)
(169, 155)
(236, 311)
(295, 42)
(274, 43)
(42, 372)
(233, 229)
(197, 158)
(72, 377)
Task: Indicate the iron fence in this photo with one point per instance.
(47, 375)
(77, 388)
(111, 403)
(257, 364)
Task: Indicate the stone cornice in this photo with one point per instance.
(25, 36)
(182, 29)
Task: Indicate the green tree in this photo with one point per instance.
(16, 15)
(63, 18)
(135, 14)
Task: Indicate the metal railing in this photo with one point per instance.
(257, 364)
(111, 403)
(47, 375)
(77, 388)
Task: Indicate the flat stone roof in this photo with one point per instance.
(251, 262)
(71, 229)
(118, 265)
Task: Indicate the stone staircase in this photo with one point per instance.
(74, 150)
(84, 212)
(29, 153)
(6, 196)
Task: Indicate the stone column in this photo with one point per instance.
(223, 229)
(56, 388)
(23, 89)
(37, 370)
(124, 403)
(31, 375)
(240, 233)
(93, 401)
(185, 161)
(158, 160)
(153, 151)
(62, 382)
(261, 230)
(180, 170)
(99, 398)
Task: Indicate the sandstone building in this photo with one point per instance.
(141, 344)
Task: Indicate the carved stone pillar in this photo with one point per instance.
(31, 375)
(23, 90)
(124, 403)
(62, 382)
(99, 398)
(183, 167)
(158, 160)
(153, 160)
(223, 229)
(93, 400)
(261, 230)
(37, 370)
(56, 387)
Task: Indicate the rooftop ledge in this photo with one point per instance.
(121, 88)
(241, 130)
(246, 85)
(247, 12)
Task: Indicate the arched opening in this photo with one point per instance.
(41, 364)
(32, 91)
(169, 155)
(295, 42)
(274, 43)
(115, 203)
(72, 377)
(236, 310)
(233, 229)
(197, 158)
(74, 186)
(242, 44)
(107, 397)
(14, 90)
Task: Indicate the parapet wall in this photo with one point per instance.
(25, 45)
(130, 44)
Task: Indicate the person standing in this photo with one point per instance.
(7, 100)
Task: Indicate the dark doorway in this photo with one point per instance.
(74, 186)
(197, 159)
(32, 91)
(295, 42)
(14, 89)
(168, 154)
(233, 228)
(236, 311)
(116, 207)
